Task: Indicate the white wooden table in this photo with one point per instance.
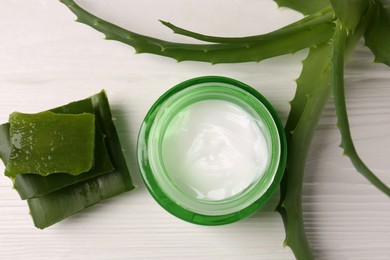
(47, 59)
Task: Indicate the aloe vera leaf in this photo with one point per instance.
(32, 185)
(377, 36)
(341, 111)
(304, 6)
(103, 114)
(306, 78)
(58, 205)
(312, 22)
(349, 12)
(48, 143)
(312, 66)
(213, 53)
(299, 135)
(308, 105)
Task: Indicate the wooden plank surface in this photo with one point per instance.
(46, 59)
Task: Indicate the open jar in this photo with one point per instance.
(211, 150)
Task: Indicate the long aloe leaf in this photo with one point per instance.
(314, 90)
(213, 53)
(341, 111)
(313, 22)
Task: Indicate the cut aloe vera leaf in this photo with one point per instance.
(56, 206)
(103, 115)
(33, 185)
(47, 143)
(75, 107)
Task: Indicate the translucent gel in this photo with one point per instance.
(214, 149)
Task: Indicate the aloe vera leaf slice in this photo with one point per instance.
(56, 206)
(103, 115)
(47, 143)
(33, 185)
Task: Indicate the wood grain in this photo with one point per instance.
(47, 60)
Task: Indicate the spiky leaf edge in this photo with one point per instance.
(310, 22)
(341, 109)
(306, 109)
(213, 53)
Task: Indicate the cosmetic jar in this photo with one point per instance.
(211, 150)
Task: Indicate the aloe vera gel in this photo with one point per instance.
(211, 150)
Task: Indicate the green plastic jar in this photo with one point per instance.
(211, 150)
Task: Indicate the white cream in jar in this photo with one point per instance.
(214, 149)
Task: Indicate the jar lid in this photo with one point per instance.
(179, 153)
